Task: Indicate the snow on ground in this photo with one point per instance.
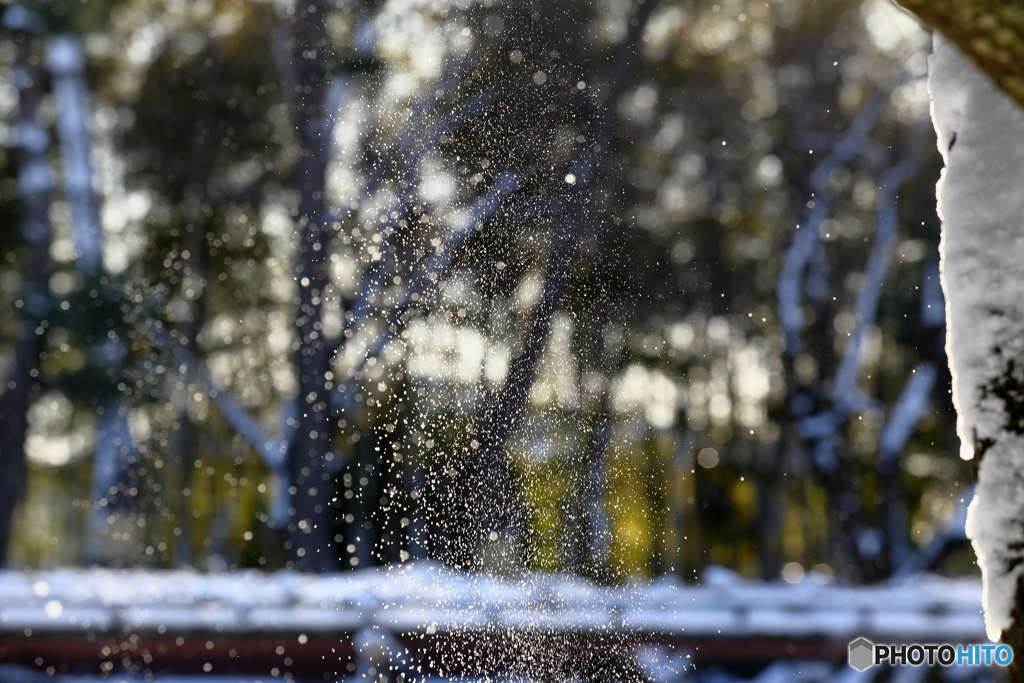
(429, 598)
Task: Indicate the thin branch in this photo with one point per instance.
(424, 284)
(271, 450)
(398, 159)
(364, 304)
(894, 437)
(905, 413)
(952, 532)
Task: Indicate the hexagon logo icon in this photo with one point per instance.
(862, 654)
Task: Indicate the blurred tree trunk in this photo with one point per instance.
(586, 528)
(66, 63)
(183, 439)
(311, 529)
(35, 182)
(583, 524)
(112, 458)
(488, 492)
(417, 533)
(768, 481)
(359, 533)
(491, 522)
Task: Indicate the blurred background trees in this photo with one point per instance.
(500, 284)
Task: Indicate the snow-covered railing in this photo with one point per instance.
(425, 598)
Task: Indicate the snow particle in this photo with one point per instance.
(53, 609)
(707, 458)
(793, 573)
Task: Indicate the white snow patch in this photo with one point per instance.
(426, 597)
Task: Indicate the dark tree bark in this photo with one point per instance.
(487, 490)
(35, 182)
(310, 532)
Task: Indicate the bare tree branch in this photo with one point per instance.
(364, 304)
(807, 237)
(273, 451)
(886, 232)
(424, 283)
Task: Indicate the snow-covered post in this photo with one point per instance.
(982, 250)
(35, 182)
(978, 111)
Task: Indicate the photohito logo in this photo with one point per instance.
(864, 653)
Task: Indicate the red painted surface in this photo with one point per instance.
(330, 655)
